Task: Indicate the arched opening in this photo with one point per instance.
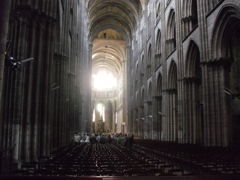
(111, 27)
(158, 11)
(158, 52)
(193, 129)
(142, 70)
(225, 45)
(108, 75)
(190, 17)
(149, 61)
(171, 33)
(99, 118)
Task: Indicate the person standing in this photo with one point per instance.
(76, 138)
(109, 139)
(87, 138)
(93, 139)
(131, 140)
(98, 138)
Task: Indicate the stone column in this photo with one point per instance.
(135, 121)
(51, 119)
(165, 116)
(125, 96)
(155, 123)
(219, 125)
(20, 149)
(145, 120)
(4, 21)
(29, 88)
(141, 122)
(46, 87)
(89, 88)
(128, 87)
(37, 144)
(204, 54)
(63, 100)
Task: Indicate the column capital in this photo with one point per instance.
(148, 102)
(157, 97)
(194, 79)
(171, 90)
(222, 61)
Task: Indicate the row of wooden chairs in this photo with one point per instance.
(144, 158)
(195, 158)
(93, 160)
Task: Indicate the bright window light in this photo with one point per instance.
(104, 80)
(101, 110)
(94, 117)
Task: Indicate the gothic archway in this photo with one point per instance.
(190, 17)
(149, 61)
(193, 126)
(226, 62)
(171, 33)
(158, 52)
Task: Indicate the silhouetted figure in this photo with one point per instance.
(102, 139)
(109, 139)
(93, 139)
(125, 142)
(131, 140)
(76, 138)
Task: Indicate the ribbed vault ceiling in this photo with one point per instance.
(108, 54)
(116, 13)
(111, 24)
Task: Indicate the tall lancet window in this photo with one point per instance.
(101, 110)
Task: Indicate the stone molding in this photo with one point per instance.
(171, 90)
(193, 79)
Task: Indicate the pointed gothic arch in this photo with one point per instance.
(172, 76)
(193, 127)
(172, 123)
(142, 70)
(171, 33)
(193, 61)
(158, 9)
(149, 61)
(226, 62)
(150, 92)
(158, 42)
(190, 17)
(227, 22)
(158, 50)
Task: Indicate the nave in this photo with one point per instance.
(144, 158)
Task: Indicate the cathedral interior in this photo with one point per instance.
(164, 71)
